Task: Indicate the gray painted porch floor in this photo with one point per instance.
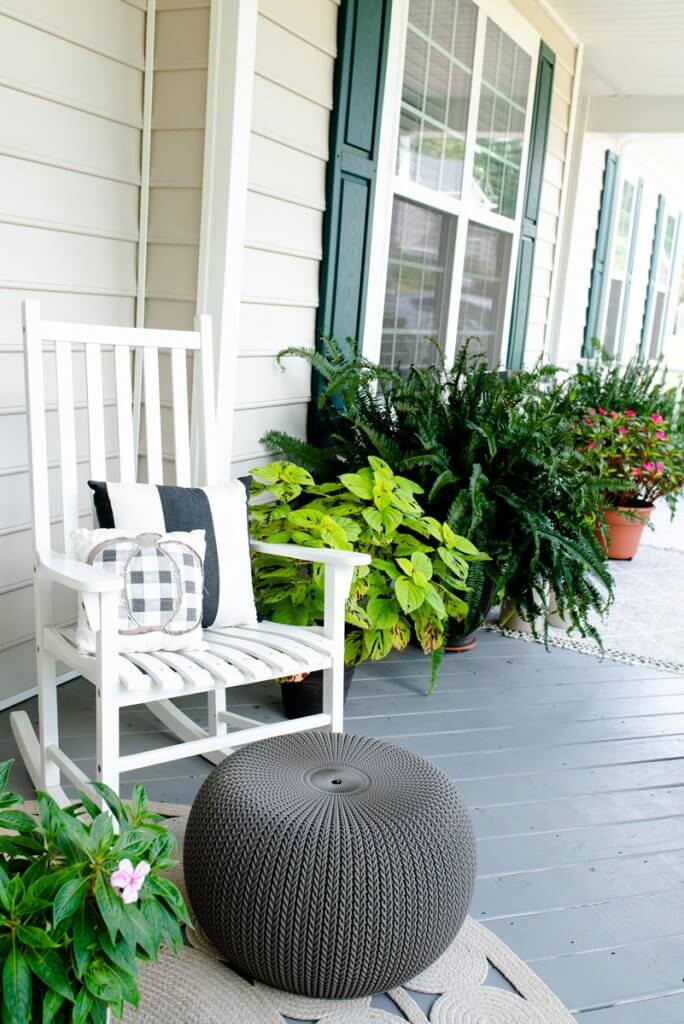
(574, 770)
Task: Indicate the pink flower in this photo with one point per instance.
(622, 430)
(592, 444)
(588, 420)
(630, 412)
(648, 466)
(659, 467)
(613, 414)
(636, 472)
(129, 879)
(661, 435)
(656, 417)
(602, 411)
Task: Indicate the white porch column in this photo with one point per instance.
(232, 46)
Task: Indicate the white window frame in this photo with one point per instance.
(624, 175)
(466, 210)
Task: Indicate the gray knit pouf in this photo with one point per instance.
(330, 866)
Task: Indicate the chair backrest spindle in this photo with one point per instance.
(39, 333)
(124, 414)
(153, 436)
(181, 423)
(96, 422)
(67, 440)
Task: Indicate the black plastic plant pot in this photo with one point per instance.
(461, 636)
(306, 697)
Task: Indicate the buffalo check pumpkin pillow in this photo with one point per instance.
(162, 583)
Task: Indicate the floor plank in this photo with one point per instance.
(574, 770)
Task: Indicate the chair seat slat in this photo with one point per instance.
(188, 671)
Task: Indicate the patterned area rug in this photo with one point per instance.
(645, 625)
(477, 981)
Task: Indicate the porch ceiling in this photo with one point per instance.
(632, 48)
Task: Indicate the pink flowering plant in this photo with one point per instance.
(637, 456)
(83, 899)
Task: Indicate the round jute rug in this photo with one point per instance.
(479, 980)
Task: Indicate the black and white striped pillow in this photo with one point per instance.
(220, 511)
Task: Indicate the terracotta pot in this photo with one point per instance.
(625, 527)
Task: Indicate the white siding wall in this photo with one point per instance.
(288, 153)
(70, 116)
(554, 170)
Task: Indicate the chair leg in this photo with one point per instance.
(333, 695)
(107, 739)
(106, 705)
(48, 719)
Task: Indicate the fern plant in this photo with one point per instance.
(495, 454)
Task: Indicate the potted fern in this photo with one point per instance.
(417, 579)
(83, 898)
(495, 456)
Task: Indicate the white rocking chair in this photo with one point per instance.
(245, 655)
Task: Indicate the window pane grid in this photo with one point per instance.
(501, 122)
(440, 46)
(417, 277)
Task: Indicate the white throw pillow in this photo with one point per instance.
(220, 511)
(162, 576)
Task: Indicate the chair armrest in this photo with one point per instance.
(327, 556)
(77, 575)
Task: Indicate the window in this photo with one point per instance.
(460, 96)
(661, 280)
(619, 269)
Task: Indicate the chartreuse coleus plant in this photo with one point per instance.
(82, 900)
(416, 580)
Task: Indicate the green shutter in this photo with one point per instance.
(629, 269)
(598, 272)
(362, 39)
(363, 32)
(652, 270)
(533, 187)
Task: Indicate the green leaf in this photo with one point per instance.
(35, 938)
(5, 769)
(422, 564)
(373, 517)
(454, 562)
(18, 821)
(101, 831)
(82, 1007)
(52, 1004)
(47, 965)
(380, 466)
(408, 594)
(103, 983)
(84, 940)
(68, 899)
(383, 612)
(435, 601)
(16, 989)
(112, 910)
(114, 803)
(406, 565)
(170, 894)
(360, 484)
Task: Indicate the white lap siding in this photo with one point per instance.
(71, 79)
